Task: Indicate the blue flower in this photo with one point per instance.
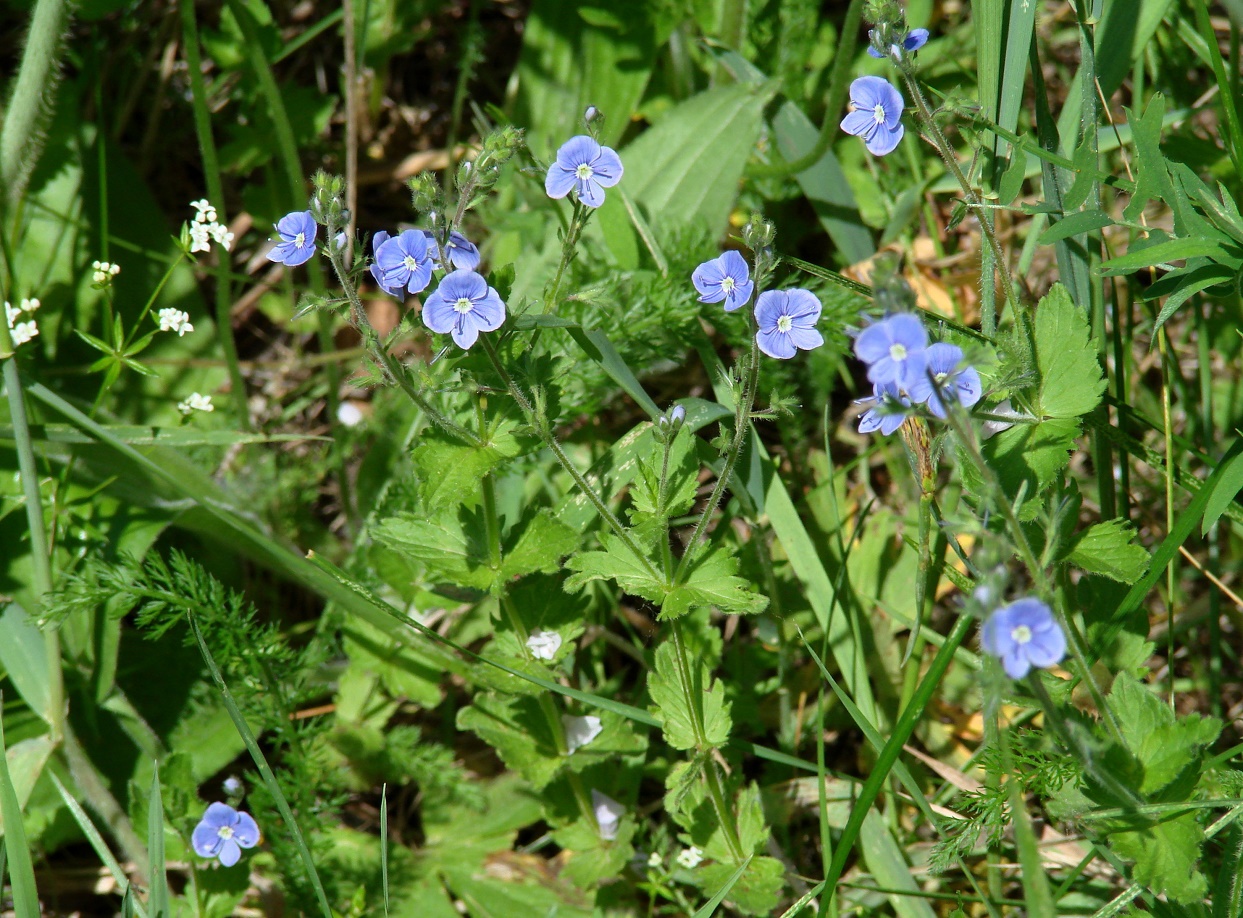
(889, 411)
(937, 376)
(1022, 635)
(297, 231)
(787, 321)
(404, 262)
(463, 253)
(726, 278)
(585, 167)
(876, 115)
(378, 240)
(885, 346)
(915, 39)
(223, 832)
(463, 306)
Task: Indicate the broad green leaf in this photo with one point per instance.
(672, 706)
(1071, 381)
(517, 730)
(618, 563)
(1166, 856)
(1152, 179)
(1108, 548)
(1164, 252)
(887, 862)
(708, 909)
(756, 892)
(1181, 285)
(157, 898)
(1085, 221)
(682, 472)
(1166, 746)
(23, 658)
(713, 581)
(450, 471)
(451, 545)
(1031, 454)
(540, 547)
(1226, 488)
(591, 859)
(25, 762)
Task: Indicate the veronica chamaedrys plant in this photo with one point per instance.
(463, 306)
(787, 322)
(937, 376)
(404, 262)
(876, 114)
(887, 346)
(726, 278)
(890, 408)
(297, 233)
(584, 167)
(460, 252)
(223, 832)
(1023, 635)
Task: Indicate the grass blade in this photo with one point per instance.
(21, 868)
(709, 908)
(384, 843)
(158, 896)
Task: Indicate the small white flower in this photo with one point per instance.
(104, 271)
(206, 213)
(349, 414)
(544, 644)
(221, 235)
(11, 313)
(690, 858)
(654, 860)
(231, 784)
(30, 304)
(579, 731)
(608, 814)
(200, 238)
(24, 331)
(196, 402)
(175, 320)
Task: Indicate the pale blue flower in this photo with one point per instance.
(937, 375)
(1022, 635)
(876, 115)
(404, 261)
(463, 253)
(297, 239)
(585, 167)
(463, 306)
(915, 39)
(726, 278)
(887, 345)
(889, 411)
(378, 240)
(787, 322)
(223, 832)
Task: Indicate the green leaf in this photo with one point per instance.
(1228, 485)
(1167, 747)
(590, 858)
(1167, 251)
(756, 892)
(1152, 179)
(157, 897)
(517, 730)
(450, 545)
(23, 659)
(672, 707)
(618, 563)
(1071, 381)
(1166, 857)
(1181, 285)
(1107, 548)
(21, 868)
(713, 582)
(1031, 454)
(1084, 221)
(449, 470)
(708, 909)
(540, 547)
(683, 481)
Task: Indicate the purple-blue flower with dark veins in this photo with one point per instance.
(1022, 635)
(223, 832)
(914, 40)
(726, 278)
(937, 376)
(463, 306)
(463, 253)
(876, 114)
(889, 411)
(887, 345)
(297, 239)
(584, 167)
(378, 240)
(404, 261)
(787, 322)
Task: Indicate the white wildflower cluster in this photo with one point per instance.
(205, 229)
(104, 272)
(196, 402)
(544, 644)
(21, 330)
(175, 320)
(690, 858)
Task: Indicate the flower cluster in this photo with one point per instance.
(1023, 635)
(223, 832)
(912, 41)
(103, 272)
(171, 319)
(195, 403)
(205, 229)
(905, 371)
(785, 319)
(21, 330)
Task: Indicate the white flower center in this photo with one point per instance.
(584, 171)
(897, 352)
(940, 377)
(299, 240)
(728, 285)
(225, 832)
(1021, 634)
(879, 113)
(784, 324)
(463, 305)
(409, 263)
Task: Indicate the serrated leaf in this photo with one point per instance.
(1166, 747)
(1166, 856)
(1031, 454)
(1108, 548)
(756, 892)
(450, 544)
(1071, 380)
(713, 582)
(618, 563)
(681, 484)
(517, 730)
(591, 859)
(672, 707)
(449, 471)
(540, 547)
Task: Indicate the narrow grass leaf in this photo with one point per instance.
(157, 896)
(384, 843)
(709, 908)
(21, 868)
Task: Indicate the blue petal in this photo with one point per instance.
(870, 422)
(489, 311)
(230, 853)
(463, 253)
(607, 167)
(770, 307)
(802, 306)
(1015, 662)
(438, 313)
(206, 840)
(860, 123)
(882, 143)
(560, 181)
(892, 422)
(300, 221)
(577, 151)
(967, 387)
(300, 255)
(805, 339)
(590, 192)
(419, 278)
(869, 91)
(915, 40)
(707, 280)
(776, 344)
(943, 358)
(219, 815)
(246, 832)
(739, 295)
